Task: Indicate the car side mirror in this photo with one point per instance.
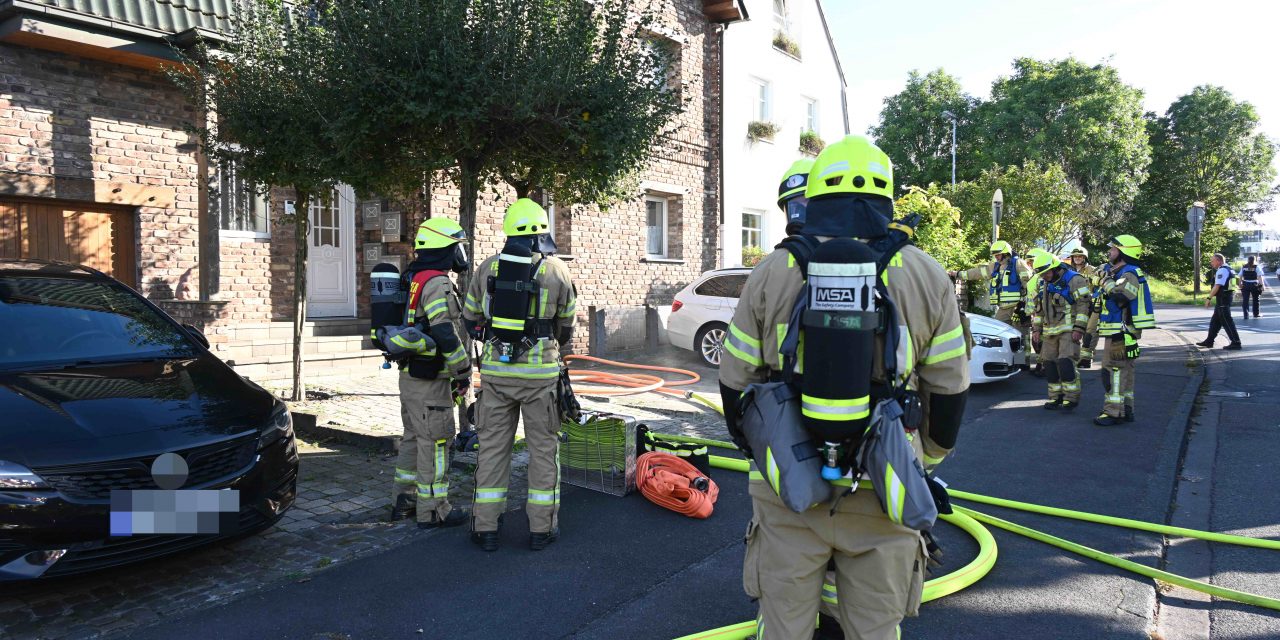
(197, 334)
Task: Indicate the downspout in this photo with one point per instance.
(720, 158)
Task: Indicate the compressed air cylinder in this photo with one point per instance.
(839, 341)
(386, 300)
(510, 291)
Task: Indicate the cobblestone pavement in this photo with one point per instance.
(343, 501)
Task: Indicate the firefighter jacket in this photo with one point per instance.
(932, 354)
(550, 310)
(1062, 306)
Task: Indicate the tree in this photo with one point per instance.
(267, 96)
(1208, 148)
(558, 96)
(1042, 207)
(1068, 113)
(939, 232)
(913, 131)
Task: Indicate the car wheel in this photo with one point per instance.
(710, 342)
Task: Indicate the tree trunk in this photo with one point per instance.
(469, 185)
(301, 245)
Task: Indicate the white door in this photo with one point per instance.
(331, 262)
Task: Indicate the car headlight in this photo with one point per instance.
(278, 426)
(15, 476)
(990, 342)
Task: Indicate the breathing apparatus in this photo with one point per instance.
(512, 288)
(791, 194)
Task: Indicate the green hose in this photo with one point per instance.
(1227, 538)
(598, 445)
(1128, 565)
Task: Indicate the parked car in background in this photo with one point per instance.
(701, 313)
(96, 383)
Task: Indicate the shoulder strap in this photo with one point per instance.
(420, 278)
(801, 248)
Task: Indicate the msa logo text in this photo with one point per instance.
(826, 294)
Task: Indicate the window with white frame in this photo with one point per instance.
(655, 227)
(761, 100)
(326, 220)
(781, 19)
(810, 115)
(752, 229)
(242, 207)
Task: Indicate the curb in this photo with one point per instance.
(306, 425)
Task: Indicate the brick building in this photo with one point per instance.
(96, 167)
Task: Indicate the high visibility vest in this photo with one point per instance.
(1005, 286)
(1140, 310)
(1249, 274)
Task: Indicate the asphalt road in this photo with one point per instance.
(627, 569)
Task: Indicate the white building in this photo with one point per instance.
(780, 68)
(1254, 242)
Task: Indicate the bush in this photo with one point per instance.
(784, 42)
(811, 143)
(752, 255)
(758, 130)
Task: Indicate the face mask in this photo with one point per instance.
(460, 262)
(796, 210)
(545, 244)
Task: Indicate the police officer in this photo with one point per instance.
(791, 194)
(430, 379)
(878, 564)
(1061, 315)
(1251, 286)
(518, 375)
(1224, 284)
(1127, 310)
(1079, 262)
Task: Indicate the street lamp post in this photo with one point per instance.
(952, 117)
(997, 205)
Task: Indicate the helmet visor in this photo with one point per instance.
(796, 210)
(460, 262)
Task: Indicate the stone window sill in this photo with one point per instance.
(663, 260)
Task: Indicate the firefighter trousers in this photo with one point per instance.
(1117, 381)
(501, 406)
(422, 464)
(1059, 354)
(879, 566)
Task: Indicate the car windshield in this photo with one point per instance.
(50, 322)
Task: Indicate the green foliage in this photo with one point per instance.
(758, 130)
(1041, 206)
(1081, 117)
(752, 255)
(811, 143)
(1207, 148)
(1167, 292)
(939, 231)
(915, 134)
(784, 42)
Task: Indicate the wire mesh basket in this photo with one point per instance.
(599, 453)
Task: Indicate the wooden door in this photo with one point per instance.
(94, 235)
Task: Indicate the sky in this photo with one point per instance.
(1166, 48)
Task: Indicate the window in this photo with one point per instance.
(326, 221)
(241, 207)
(781, 20)
(656, 227)
(810, 115)
(761, 107)
(722, 286)
(751, 228)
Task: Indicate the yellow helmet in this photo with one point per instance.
(1043, 261)
(1080, 251)
(437, 233)
(794, 181)
(851, 165)
(525, 218)
(1128, 245)
(1001, 246)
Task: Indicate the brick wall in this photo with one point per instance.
(69, 125)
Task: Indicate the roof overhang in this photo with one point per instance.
(724, 11)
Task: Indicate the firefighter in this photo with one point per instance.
(791, 194)
(1079, 262)
(1007, 280)
(1061, 315)
(879, 564)
(521, 304)
(431, 377)
(1127, 310)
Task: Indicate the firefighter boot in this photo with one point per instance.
(540, 541)
(486, 540)
(453, 519)
(406, 506)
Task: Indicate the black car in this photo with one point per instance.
(96, 382)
